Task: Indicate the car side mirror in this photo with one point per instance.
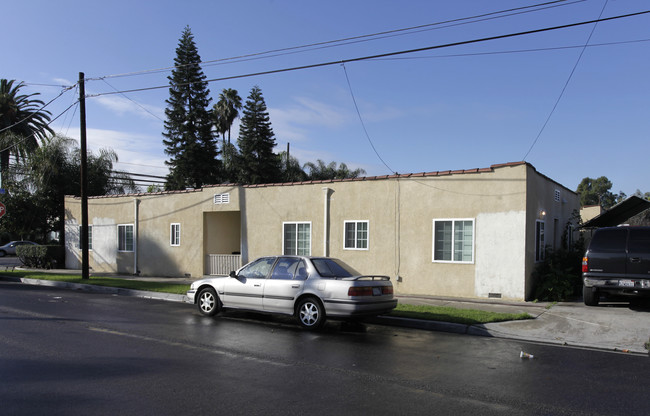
(233, 274)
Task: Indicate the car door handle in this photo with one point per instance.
(257, 284)
(635, 259)
(295, 286)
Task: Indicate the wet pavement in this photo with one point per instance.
(612, 326)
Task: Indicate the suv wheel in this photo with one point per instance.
(590, 296)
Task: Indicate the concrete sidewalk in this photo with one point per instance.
(614, 326)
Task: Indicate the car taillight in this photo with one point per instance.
(360, 291)
(387, 290)
(585, 264)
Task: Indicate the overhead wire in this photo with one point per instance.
(566, 84)
(33, 113)
(24, 139)
(515, 51)
(356, 107)
(133, 101)
(389, 54)
(360, 38)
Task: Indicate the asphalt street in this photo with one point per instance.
(71, 352)
(621, 326)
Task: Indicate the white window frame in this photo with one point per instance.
(357, 240)
(453, 240)
(540, 241)
(296, 248)
(119, 238)
(557, 196)
(175, 234)
(90, 238)
(221, 199)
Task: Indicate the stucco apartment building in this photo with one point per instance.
(469, 233)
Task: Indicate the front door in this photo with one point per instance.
(284, 285)
(247, 289)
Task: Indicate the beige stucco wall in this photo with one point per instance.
(504, 203)
(555, 214)
(400, 213)
(155, 214)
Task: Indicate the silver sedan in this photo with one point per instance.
(310, 288)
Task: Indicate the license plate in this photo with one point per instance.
(376, 291)
(626, 283)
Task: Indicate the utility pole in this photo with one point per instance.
(85, 269)
(288, 159)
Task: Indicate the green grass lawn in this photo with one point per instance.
(455, 315)
(426, 312)
(175, 288)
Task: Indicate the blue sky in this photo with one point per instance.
(451, 108)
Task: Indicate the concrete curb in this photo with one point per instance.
(103, 289)
(463, 329)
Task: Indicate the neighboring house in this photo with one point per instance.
(467, 233)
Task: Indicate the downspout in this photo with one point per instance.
(136, 216)
(326, 220)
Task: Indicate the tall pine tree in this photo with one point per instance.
(257, 162)
(189, 139)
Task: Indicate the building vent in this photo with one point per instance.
(494, 295)
(221, 199)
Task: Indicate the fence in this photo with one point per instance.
(223, 264)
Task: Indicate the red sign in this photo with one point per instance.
(3, 209)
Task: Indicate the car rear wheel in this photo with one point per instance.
(208, 302)
(590, 295)
(311, 314)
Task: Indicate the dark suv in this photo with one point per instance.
(617, 262)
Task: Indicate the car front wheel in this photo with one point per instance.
(208, 302)
(310, 313)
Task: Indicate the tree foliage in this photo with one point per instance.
(189, 139)
(597, 192)
(224, 114)
(226, 111)
(37, 186)
(256, 162)
(322, 171)
(23, 122)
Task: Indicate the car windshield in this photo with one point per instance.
(333, 268)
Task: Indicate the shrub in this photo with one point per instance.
(558, 277)
(41, 257)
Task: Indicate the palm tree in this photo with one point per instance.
(226, 111)
(224, 114)
(22, 122)
(321, 171)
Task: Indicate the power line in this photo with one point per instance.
(360, 38)
(33, 113)
(566, 84)
(514, 51)
(361, 119)
(134, 102)
(24, 139)
(388, 54)
(139, 174)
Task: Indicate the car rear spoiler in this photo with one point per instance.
(365, 277)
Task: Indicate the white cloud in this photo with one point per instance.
(121, 106)
(139, 153)
(294, 123)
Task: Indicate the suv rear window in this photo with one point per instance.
(609, 239)
(639, 240)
